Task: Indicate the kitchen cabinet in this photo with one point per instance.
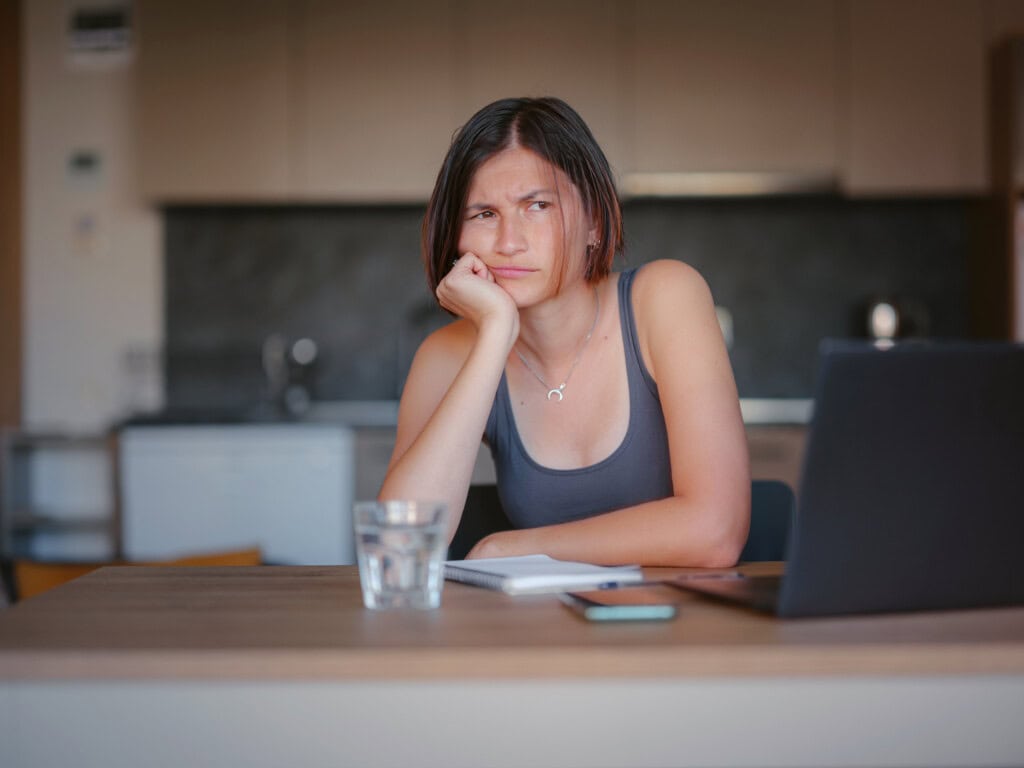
(736, 85)
(1004, 19)
(777, 452)
(320, 101)
(915, 114)
(998, 280)
(385, 85)
(550, 48)
(286, 488)
(374, 447)
(354, 101)
(374, 98)
(213, 99)
(373, 454)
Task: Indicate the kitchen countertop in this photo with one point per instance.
(776, 410)
(348, 413)
(355, 413)
(383, 414)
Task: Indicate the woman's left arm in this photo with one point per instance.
(705, 522)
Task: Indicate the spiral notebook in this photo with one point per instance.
(537, 574)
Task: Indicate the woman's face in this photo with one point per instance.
(523, 218)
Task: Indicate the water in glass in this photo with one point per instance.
(401, 556)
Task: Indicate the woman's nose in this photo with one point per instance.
(511, 238)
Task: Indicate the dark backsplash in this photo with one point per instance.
(790, 270)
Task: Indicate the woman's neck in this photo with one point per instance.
(550, 334)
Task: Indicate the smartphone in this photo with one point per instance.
(621, 604)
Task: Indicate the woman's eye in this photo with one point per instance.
(483, 215)
(539, 205)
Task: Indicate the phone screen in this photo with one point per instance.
(622, 604)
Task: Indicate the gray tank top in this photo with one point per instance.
(637, 471)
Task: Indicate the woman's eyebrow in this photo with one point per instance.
(535, 194)
(531, 195)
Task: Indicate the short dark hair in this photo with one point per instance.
(554, 131)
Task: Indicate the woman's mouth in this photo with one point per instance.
(510, 272)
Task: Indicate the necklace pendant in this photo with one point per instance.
(557, 391)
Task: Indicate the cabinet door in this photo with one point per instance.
(735, 85)
(374, 112)
(1005, 21)
(373, 454)
(213, 99)
(916, 108)
(575, 51)
(1004, 18)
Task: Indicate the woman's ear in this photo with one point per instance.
(593, 234)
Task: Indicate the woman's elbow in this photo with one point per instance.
(724, 555)
(723, 543)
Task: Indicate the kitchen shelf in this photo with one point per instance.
(76, 475)
(54, 524)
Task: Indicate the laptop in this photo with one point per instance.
(912, 487)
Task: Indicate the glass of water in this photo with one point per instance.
(400, 546)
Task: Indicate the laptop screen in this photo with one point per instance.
(912, 490)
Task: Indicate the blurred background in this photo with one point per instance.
(211, 214)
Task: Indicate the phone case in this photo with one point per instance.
(619, 610)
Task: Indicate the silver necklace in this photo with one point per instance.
(559, 391)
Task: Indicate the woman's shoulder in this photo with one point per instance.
(675, 315)
(666, 281)
(450, 343)
(437, 362)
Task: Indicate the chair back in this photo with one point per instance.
(32, 577)
(481, 516)
(6, 593)
(772, 509)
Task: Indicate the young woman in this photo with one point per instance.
(607, 399)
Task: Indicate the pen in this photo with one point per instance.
(720, 575)
(625, 584)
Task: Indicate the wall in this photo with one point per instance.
(90, 296)
(347, 277)
(790, 270)
(795, 270)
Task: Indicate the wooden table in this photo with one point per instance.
(283, 666)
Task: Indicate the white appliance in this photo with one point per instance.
(286, 488)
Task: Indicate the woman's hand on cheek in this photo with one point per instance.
(469, 291)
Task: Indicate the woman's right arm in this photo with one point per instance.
(449, 391)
